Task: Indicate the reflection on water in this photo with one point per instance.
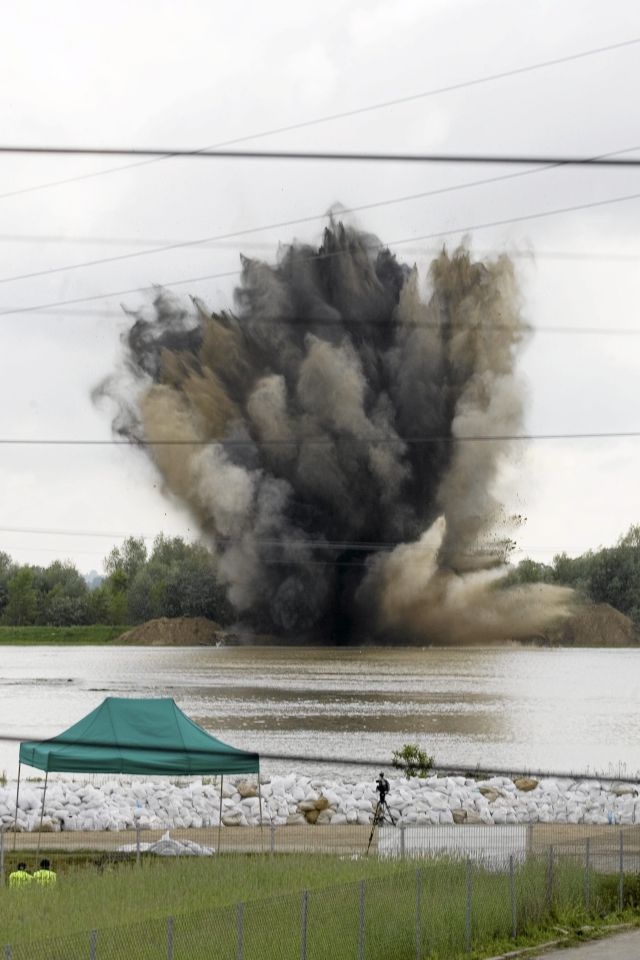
(502, 706)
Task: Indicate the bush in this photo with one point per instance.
(413, 761)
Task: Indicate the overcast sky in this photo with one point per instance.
(196, 73)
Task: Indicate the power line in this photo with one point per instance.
(329, 118)
(446, 769)
(85, 240)
(35, 308)
(332, 544)
(183, 244)
(561, 329)
(418, 324)
(326, 155)
(319, 441)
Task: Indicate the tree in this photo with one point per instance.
(528, 571)
(7, 569)
(63, 595)
(127, 559)
(609, 575)
(22, 599)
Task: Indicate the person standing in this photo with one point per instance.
(45, 875)
(20, 876)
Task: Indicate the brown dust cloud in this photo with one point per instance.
(324, 449)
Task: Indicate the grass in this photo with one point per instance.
(129, 907)
(95, 634)
(83, 898)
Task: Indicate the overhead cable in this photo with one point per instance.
(184, 244)
(609, 256)
(368, 156)
(344, 114)
(34, 308)
(450, 769)
(316, 441)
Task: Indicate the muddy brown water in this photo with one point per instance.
(559, 709)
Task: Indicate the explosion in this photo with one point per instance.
(331, 438)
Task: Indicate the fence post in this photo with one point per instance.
(169, 938)
(402, 846)
(468, 909)
(7, 952)
(137, 842)
(272, 842)
(621, 882)
(512, 894)
(587, 874)
(93, 942)
(303, 926)
(418, 910)
(550, 880)
(361, 923)
(240, 931)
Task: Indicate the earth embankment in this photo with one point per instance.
(174, 632)
(594, 625)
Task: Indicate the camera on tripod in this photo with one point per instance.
(382, 787)
(382, 812)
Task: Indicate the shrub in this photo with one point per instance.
(413, 761)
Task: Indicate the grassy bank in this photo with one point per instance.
(96, 634)
(129, 907)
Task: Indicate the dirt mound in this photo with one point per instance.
(594, 625)
(174, 632)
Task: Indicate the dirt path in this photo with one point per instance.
(618, 946)
(339, 840)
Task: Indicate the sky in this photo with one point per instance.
(195, 74)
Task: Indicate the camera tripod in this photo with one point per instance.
(382, 814)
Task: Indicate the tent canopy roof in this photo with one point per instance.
(137, 736)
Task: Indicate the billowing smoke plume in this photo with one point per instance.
(322, 448)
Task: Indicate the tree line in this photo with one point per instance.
(173, 579)
(608, 575)
(178, 579)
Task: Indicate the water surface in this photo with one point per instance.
(501, 706)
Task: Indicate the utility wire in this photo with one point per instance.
(417, 324)
(446, 769)
(94, 240)
(322, 155)
(318, 441)
(183, 244)
(35, 308)
(333, 544)
(329, 118)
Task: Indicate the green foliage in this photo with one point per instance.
(127, 559)
(608, 575)
(129, 907)
(176, 579)
(413, 761)
(22, 598)
(609, 890)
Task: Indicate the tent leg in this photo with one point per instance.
(15, 819)
(220, 814)
(260, 802)
(44, 797)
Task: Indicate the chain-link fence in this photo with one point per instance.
(600, 846)
(439, 908)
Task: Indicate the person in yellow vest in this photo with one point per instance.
(20, 877)
(45, 875)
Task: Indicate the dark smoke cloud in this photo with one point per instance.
(304, 418)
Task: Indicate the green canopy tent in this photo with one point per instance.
(151, 737)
